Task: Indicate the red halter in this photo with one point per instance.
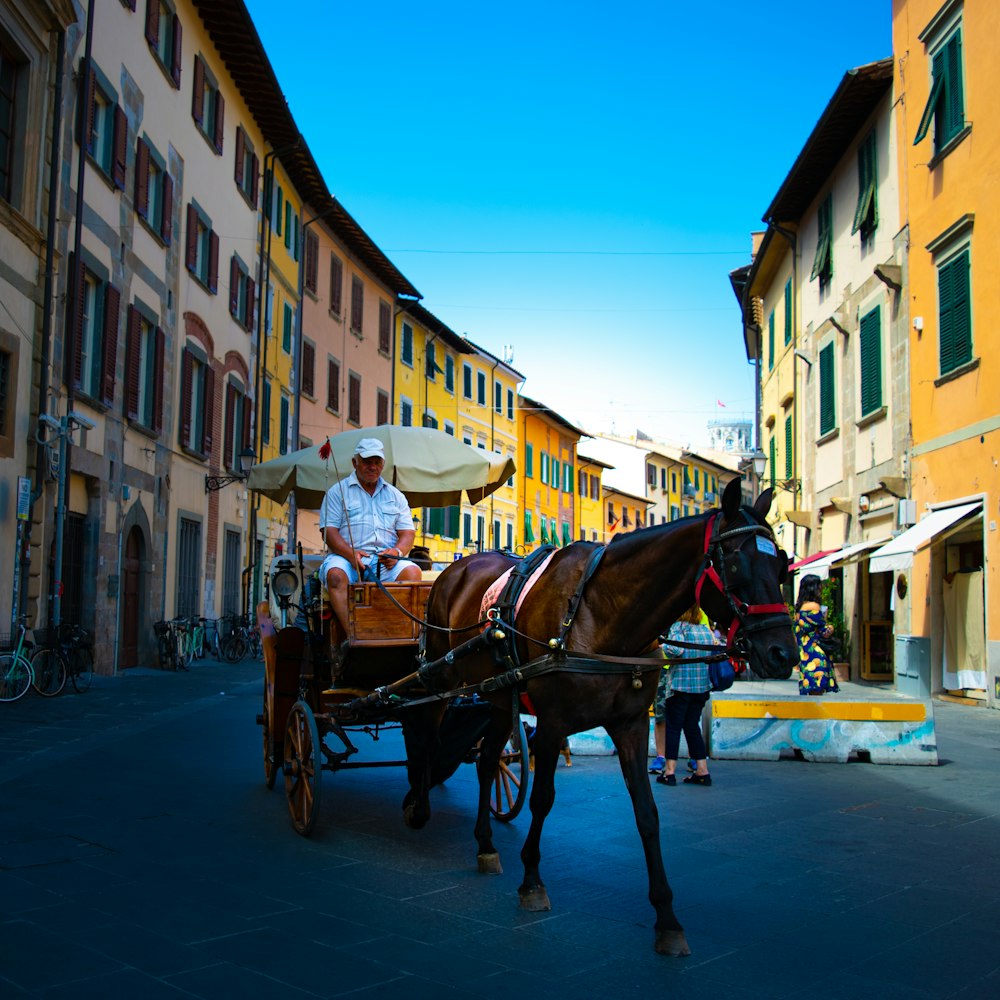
(742, 611)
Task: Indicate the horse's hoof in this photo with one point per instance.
(672, 943)
(489, 864)
(535, 899)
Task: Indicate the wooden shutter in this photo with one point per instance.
(207, 430)
(772, 460)
(265, 411)
(254, 178)
(227, 445)
(220, 116)
(251, 302)
(247, 409)
(357, 303)
(788, 311)
(198, 92)
(120, 147)
(240, 148)
(152, 22)
(109, 354)
(191, 254)
(167, 222)
(88, 108)
(133, 362)
(234, 286)
(312, 261)
(336, 284)
(308, 367)
(158, 350)
(871, 361)
(955, 334)
(187, 375)
(175, 54)
(142, 179)
(213, 261)
(354, 398)
(789, 464)
(770, 340)
(382, 416)
(385, 326)
(827, 388)
(954, 101)
(333, 385)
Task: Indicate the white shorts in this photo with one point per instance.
(385, 573)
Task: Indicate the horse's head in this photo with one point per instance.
(740, 586)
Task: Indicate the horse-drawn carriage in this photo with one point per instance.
(577, 634)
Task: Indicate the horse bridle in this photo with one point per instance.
(747, 618)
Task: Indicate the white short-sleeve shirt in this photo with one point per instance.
(366, 521)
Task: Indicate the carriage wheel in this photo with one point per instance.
(510, 785)
(303, 767)
(270, 763)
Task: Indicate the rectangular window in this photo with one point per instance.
(582, 483)
(567, 478)
(823, 261)
(144, 344)
(14, 72)
(265, 411)
(866, 212)
(871, 361)
(946, 102)
(232, 564)
(197, 402)
(466, 529)
(336, 284)
(510, 404)
(827, 391)
(467, 381)
(245, 170)
(955, 313)
(163, 33)
(595, 488)
(202, 257)
(187, 600)
(449, 373)
(405, 413)
(357, 304)
(788, 447)
(770, 340)
(208, 107)
(481, 388)
(384, 326)
(308, 375)
(354, 397)
(554, 475)
(95, 338)
(529, 461)
(382, 407)
(498, 397)
(236, 435)
(543, 472)
(650, 474)
(430, 362)
(241, 293)
(406, 346)
(311, 263)
(333, 385)
(154, 191)
(106, 128)
(788, 311)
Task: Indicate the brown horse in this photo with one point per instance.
(726, 559)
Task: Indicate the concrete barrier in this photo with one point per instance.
(826, 729)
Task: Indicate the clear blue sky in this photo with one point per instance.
(573, 180)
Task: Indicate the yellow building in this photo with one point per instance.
(546, 475)
(945, 568)
(623, 512)
(589, 506)
(704, 479)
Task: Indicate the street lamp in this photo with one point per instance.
(247, 456)
(759, 462)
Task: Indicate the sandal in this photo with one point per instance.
(666, 779)
(698, 779)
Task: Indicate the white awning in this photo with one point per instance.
(848, 554)
(898, 554)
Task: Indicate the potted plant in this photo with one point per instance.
(839, 650)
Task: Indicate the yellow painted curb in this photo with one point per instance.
(850, 711)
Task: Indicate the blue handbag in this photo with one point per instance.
(721, 675)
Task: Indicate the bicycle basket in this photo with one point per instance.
(161, 629)
(44, 635)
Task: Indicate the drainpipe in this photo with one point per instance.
(24, 555)
(493, 443)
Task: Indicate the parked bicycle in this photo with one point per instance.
(212, 644)
(77, 644)
(16, 675)
(168, 646)
(243, 638)
(48, 663)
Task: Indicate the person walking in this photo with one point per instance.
(816, 675)
(690, 689)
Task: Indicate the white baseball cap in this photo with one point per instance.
(369, 447)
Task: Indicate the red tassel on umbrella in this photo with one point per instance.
(325, 450)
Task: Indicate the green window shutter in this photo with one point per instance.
(544, 471)
(937, 88)
(871, 361)
(788, 447)
(770, 341)
(954, 98)
(772, 462)
(545, 530)
(566, 539)
(866, 213)
(554, 478)
(788, 311)
(529, 531)
(529, 461)
(553, 533)
(823, 261)
(568, 485)
(452, 518)
(955, 320)
(827, 397)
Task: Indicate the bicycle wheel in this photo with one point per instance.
(49, 669)
(254, 647)
(15, 676)
(234, 648)
(81, 671)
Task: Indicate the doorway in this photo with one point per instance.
(131, 597)
(877, 628)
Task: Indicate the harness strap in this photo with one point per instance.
(577, 598)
